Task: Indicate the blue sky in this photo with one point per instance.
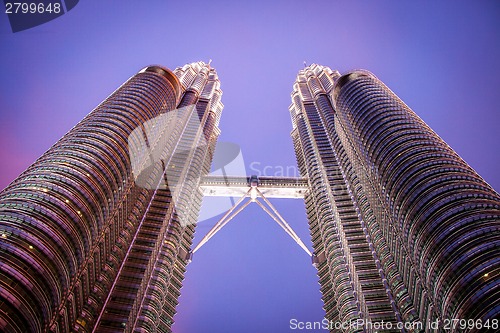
(441, 58)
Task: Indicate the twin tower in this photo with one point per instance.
(96, 234)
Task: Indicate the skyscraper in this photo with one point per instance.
(95, 234)
(403, 229)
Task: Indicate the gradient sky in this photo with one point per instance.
(441, 58)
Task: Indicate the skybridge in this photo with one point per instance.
(270, 187)
(257, 190)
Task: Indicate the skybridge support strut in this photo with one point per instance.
(281, 221)
(230, 214)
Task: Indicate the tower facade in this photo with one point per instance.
(403, 229)
(94, 235)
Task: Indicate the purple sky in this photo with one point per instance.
(441, 58)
